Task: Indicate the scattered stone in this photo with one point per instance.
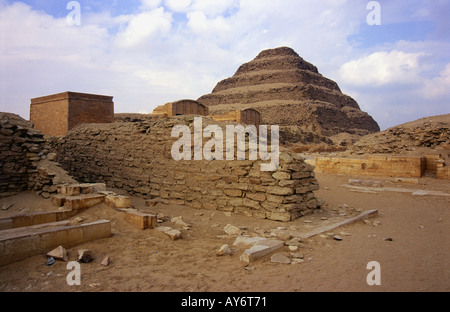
(180, 221)
(85, 256)
(307, 221)
(232, 230)
(338, 238)
(345, 234)
(376, 223)
(261, 248)
(293, 248)
(367, 222)
(388, 239)
(227, 213)
(59, 253)
(118, 201)
(324, 218)
(281, 234)
(225, 250)
(280, 258)
(297, 260)
(52, 156)
(173, 234)
(296, 241)
(199, 214)
(296, 255)
(106, 261)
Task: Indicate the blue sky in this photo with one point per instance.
(149, 52)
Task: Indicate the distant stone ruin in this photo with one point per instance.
(190, 107)
(55, 115)
(179, 108)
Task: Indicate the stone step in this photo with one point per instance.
(142, 220)
(30, 219)
(79, 189)
(77, 202)
(17, 244)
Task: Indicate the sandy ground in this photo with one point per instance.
(416, 259)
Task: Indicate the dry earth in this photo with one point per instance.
(416, 259)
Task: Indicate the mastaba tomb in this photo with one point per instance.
(55, 115)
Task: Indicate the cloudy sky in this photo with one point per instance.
(149, 52)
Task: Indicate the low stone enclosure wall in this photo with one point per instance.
(381, 166)
(137, 157)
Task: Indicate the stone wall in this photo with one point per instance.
(23, 159)
(137, 157)
(405, 167)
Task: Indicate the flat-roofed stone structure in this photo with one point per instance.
(55, 115)
(183, 107)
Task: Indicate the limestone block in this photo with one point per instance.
(142, 220)
(261, 249)
(173, 234)
(282, 191)
(118, 201)
(59, 253)
(83, 201)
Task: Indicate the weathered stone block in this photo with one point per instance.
(118, 201)
(142, 220)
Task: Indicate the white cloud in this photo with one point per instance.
(144, 27)
(178, 5)
(439, 86)
(150, 4)
(383, 68)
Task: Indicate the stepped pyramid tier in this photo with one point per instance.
(290, 92)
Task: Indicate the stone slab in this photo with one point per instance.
(20, 243)
(142, 220)
(323, 229)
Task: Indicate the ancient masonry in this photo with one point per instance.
(137, 157)
(55, 115)
(24, 163)
(290, 92)
(191, 107)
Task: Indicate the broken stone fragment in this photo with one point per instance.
(280, 258)
(106, 261)
(85, 256)
(173, 234)
(118, 201)
(225, 250)
(59, 253)
(179, 221)
(232, 230)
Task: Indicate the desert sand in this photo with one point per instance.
(408, 237)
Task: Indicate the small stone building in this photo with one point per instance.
(179, 108)
(55, 115)
(247, 117)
